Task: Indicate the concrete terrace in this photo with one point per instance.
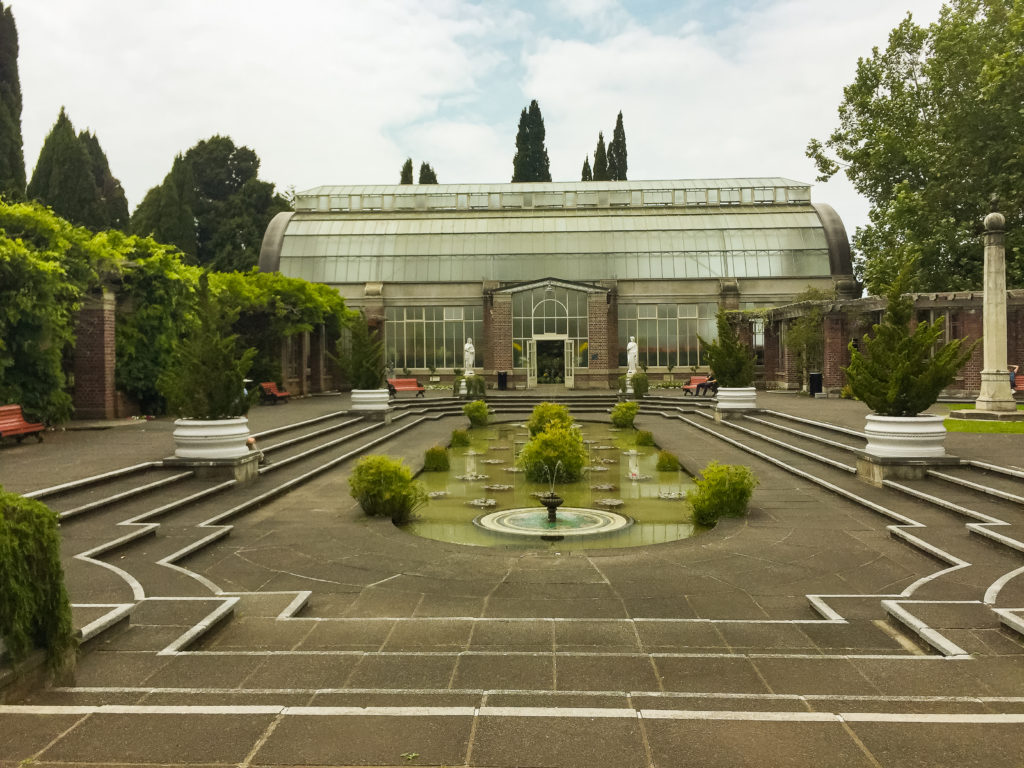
(837, 625)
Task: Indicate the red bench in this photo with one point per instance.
(269, 393)
(405, 385)
(13, 424)
(691, 387)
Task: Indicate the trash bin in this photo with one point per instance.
(814, 384)
(503, 380)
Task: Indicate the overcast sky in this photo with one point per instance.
(342, 91)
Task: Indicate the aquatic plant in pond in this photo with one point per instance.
(555, 455)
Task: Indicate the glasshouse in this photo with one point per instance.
(550, 280)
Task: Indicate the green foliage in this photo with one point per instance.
(204, 378)
(600, 159)
(727, 356)
(34, 607)
(167, 212)
(531, 159)
(557, 454)
(895, 372)
(804, 336)
(545, 414)
(476, 412)
(617, 160)
(427, 174)
(928, 130)
(460, 437)
(587, 174)
(384, 488)
(667, 462)
(361, 354)
(436, 459)
(475, 385)
(64, 178)
(12, 156)
(624, 413)
(406, 175)
(641, 384)
(112, 205)
(644, 438)
(722, 490)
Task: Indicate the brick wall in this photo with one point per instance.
(93, 396)
(498, 332)
(836, 353)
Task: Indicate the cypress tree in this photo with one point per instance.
(587, 173)
(531, 159)
(617, 152)
(600, 160)
(113, 204)
(406, 177)
(166, 212)
(12, 155)
(63, 177)
(519, 162)
(427, 175)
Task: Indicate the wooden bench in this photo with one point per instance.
(13, 424)
(269, 393)
(690, 388)
(405, 385)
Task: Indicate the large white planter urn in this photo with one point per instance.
(905, 437)
(736, 398)
(211, 439)
(370, 400)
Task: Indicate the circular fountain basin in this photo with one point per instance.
(571, 521)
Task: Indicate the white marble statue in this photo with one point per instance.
(632, 355)
(468, 355)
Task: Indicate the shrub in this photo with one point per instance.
(667, 462)
(476, 412)
(460, 437)
(545, 414)
(558, 451)
(624, 413)
(641, 384)
(722, 489)
(476, 386)
(361, 354)
(644, 438)
(727, 356)
(384, 488)
(34, 606)
(436, 459)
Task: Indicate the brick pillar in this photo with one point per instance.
(968, 379)
(318, 359)
(602, 340)
(498, 332)
(771, 350)
(836, 352)
(95, 357)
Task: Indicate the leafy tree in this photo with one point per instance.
(928, 130)
(531, 159)
(600, 160)
(427, 175)
(113, 205)
(12, 155)
(727, 356)
(406, 177)
(64, 179)
(897, 372)
(588, 175)
(617, 162)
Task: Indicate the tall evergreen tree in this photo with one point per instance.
(406, 177)
(12, 156)
(166, 212)
(113, 203)
(531, 159)
(617, 162)
(600, 160)
(588, 175)
(427, 175)
(63, 177)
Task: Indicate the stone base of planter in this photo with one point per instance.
(874, 470)
(242, 468)
(372, 404)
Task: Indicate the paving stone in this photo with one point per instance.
(709, 673)
(502, 673)
(742, 635)
(541, 742)
(306, 672)
(495, 635)
(924, 745)
(810, 675)
(605, 673)
(348, 635)
(402, 671)
(607, 636)
(21, 736)
(423, 635)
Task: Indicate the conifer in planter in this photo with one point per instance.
(362, 358)
(897, 375)
(733, 365)
(204, 386)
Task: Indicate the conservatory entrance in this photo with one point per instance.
(551, 360)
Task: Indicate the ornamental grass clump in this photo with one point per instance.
(644, 438)
(555, 455)
(545, 414)
(667, 462)
(722, 490)
(460, 438)
(624, 413)
(34, 607)
(436, 459)
(899, 373)
(727, 356)
(476, 412)
(384, 488)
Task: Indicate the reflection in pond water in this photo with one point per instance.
(633, 487)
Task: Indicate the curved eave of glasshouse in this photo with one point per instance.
(581, 231)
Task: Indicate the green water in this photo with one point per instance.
(450, 518)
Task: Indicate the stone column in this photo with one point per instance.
(995, 379)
